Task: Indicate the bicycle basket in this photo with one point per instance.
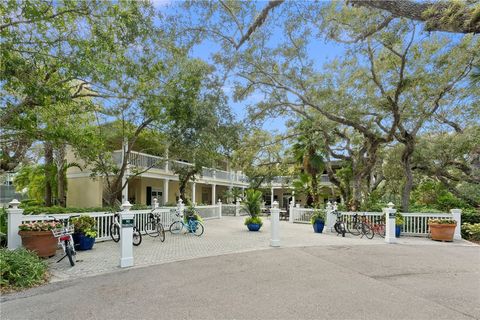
(61, 231)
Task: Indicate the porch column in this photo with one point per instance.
(214, 196)
(271, 199)
(193, 192)
(165, 190)
(127, 171)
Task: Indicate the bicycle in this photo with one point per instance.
(115, 231)
(154, 226)
(379, 227)
(364, 228)
(65, 239)
(192, 226)
(352, 225)
(339, 225)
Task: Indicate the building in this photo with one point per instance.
(157, 181)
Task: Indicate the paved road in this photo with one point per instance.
(320, 282)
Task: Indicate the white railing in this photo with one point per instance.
(228, 209)
(415, 224)
(103, 220)
(208, 212)
(301, 215)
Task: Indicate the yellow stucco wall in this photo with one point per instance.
(84, 192)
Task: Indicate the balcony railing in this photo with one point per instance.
(142, 160)
(286, 180)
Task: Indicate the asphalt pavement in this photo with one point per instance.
(317, 282)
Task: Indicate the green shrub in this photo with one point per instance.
(191, 213)
(21, 269)
(56, 210)
(84, 224)
(399, 219)
(140, 207)
(253, 220)
(3, 227)
(317, 215)
(471, 216)
(471, 231)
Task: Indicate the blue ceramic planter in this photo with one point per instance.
(398, 231)
(83, 242)
(318, 226)
(253, 226)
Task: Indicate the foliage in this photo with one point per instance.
(84, 224)
(318, 215)
(56, 210)
(21, 268)
(90, 233)
(137, 206)
(233, 194)
(252, 202)
(40, 226)
(471, 231)
(191, 214)
(253, 220)
(442, 221)
(399, 219)
(471, 216)
(3, 227)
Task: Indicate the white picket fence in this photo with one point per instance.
(229, 209)
(415, 224)
(103, 220)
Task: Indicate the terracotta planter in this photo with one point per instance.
(442, 232)
(43, 243)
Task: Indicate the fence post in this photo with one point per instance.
(292, 208)
(390, 223)
(457, 216)
(274, 224)
(219, 203)
(126, 236)
(237, 208)
(180, 207)
(14, 220)
(155, 203)
(330, 217)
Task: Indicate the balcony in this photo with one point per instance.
(147, 161)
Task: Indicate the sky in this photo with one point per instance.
(321, 52)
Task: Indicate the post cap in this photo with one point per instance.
(275, 204)
(390, 205)
(126, 205)
(14, 203)
(219, 200)
(180, 200)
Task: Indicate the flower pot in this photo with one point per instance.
(82, 242)
(442, 232)
(254, 226)
(43, 243)
(398, 231)
(318, 226)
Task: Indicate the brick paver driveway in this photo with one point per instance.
(222, 236)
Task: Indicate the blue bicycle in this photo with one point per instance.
(192, 226)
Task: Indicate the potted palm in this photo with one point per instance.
(38, 237)
(442, 229)
(318, 220)
(251, 204)
(85, 233)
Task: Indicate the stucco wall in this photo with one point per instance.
(84, 192)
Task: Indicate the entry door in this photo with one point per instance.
(157, 194)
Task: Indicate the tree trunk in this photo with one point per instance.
(61, 183)
(48, 173)
(407, 168)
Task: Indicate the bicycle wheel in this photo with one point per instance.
(341, 227)
(151, 228)
(369, 232)
(176, 227)
(137, 237)
(115, 232)
(381, 230)
(161, 231)
(70, 253)
(352, 228)
(198, 231)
